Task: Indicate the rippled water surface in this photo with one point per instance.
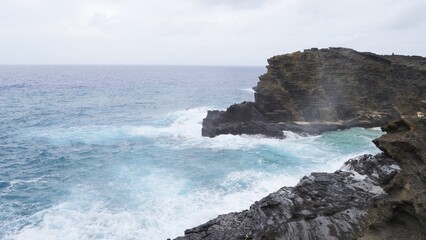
(115, 152)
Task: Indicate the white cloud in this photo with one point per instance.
(237, 4)
(202, 31)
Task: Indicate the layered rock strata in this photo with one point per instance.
(320, 90)
(321, 206)
(402, 214)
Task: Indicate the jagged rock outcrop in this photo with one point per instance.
(402, 214)
(320, 90)
(321, 206)
(372, 197)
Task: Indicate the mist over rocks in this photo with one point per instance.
(319, 90)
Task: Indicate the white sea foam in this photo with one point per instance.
(21, 181)
(16, 182)
(162, 205)
(163, 212)
(249, 90)
(184, 132)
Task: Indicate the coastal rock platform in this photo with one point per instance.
(326, 89)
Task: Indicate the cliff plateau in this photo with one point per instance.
(320, 90)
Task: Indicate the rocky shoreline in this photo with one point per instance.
(321, 206)
(320, 90)
(371, 197)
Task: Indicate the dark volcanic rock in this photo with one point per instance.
(239, 118)
(402, 214)
(321, 206)
(326, 89)
(321, 90)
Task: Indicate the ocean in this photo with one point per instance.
(116, 152)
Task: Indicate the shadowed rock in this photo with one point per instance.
(321, 90)
(327, 89)
(402, 214)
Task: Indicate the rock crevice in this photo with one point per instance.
(402, 214)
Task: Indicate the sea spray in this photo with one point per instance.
(116, 159)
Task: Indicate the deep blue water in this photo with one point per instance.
(115, 152)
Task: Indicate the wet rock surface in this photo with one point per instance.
(321, 206)
(402, 214)
(372, 197)
(321, 90)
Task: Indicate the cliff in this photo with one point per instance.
(320, 90)
(369, 198)
(402, 214)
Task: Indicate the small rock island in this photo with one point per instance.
(318, 90)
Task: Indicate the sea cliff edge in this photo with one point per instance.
(318, 90)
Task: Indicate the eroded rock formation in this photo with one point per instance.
(372, 197)
(321, 206)
(320, 90)
(402, 214)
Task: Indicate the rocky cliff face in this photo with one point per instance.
(321, 90)
(372, 197)
(327, 89)
(402, 214)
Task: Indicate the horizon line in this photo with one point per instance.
(153, 65)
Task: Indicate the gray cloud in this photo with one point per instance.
(237, 4)
(407, 16)
(201, 32)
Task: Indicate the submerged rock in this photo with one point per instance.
(321, 206)
(327, 89)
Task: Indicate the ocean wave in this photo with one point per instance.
(182, 129)
(16, 182)
(164, 213)
(156, 202)
(249, 90)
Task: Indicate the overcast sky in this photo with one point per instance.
(202, 32)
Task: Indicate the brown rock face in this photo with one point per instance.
(330, 89)
(402, 214)
(341, 84)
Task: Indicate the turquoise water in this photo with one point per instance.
(115, 152)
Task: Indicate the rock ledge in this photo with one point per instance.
(326, 89)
